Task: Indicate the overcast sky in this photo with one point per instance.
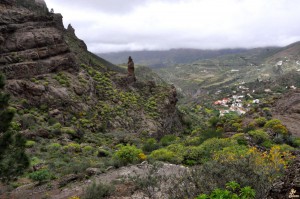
(118, 25)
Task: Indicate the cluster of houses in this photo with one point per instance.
(233, 104)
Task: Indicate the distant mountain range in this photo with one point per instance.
(192, 70)
(167, 58)
(157, 59)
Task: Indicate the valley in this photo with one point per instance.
(193, 124)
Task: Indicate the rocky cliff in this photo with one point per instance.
(31, 42)
(54, 80)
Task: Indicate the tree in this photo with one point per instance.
(13, 160)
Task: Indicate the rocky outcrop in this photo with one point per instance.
(287, 109)
(32, 43)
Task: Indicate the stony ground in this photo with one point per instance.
(75, 186)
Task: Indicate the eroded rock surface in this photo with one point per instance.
(31, 43)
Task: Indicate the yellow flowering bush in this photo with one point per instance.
(266, 163)
(142, 156)
(74, 197)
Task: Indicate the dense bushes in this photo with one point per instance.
(276, 126)
(246, 166)
(259, 136)
(128, 154)
(166, 155)
(41, 175)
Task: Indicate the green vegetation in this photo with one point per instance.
(40, 176)
(13, 160)
(233, 190)
(101, 120)
(259, 136)
(128, 154)
(62, 79)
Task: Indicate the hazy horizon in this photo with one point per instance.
(115, 26)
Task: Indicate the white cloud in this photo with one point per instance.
(116, 25)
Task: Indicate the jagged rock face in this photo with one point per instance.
(31, 43)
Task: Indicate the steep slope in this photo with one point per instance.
(44, 62)
(72, 106)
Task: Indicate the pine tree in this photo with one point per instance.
(13, 160)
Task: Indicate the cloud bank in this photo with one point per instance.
(118, 25)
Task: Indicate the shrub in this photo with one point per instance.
(98, 191)
(28, 121)
(68, 130)
(204, 152)
(72, 147)
(213, 121)
(192, 141)
(278, 139)
(193, 155)
(35, 160)
(15, 126)
(142, 156)
(216, 144)
(128, 154)
(237, 126)
(250, 127)
(165, 155)
(103, 153)
(40, 176)
(259, 136)
(267, 112)
(285, 148)
(240, 138)
(88, 149)
(30, 143)
(268, 144)
(261, 121)
(56, 126)
(210, 133)
(54, 146)
(232, 191)
(167, 140)
(280, 129)
(296, 142)
(150, 145)
(273, 124)
(205, 179)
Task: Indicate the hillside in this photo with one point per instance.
(193, 71)
(225, 71)
(68, 100)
